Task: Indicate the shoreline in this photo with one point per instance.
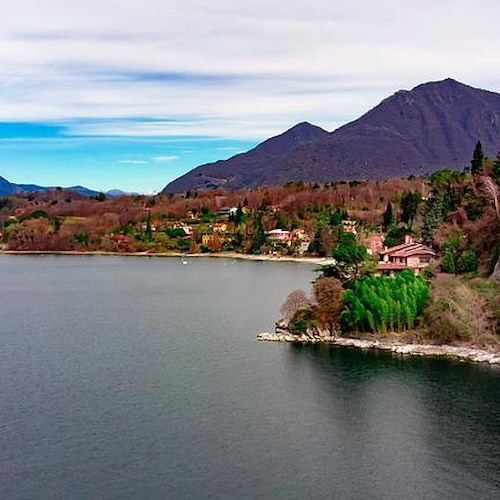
(462, 353)
(222, 255)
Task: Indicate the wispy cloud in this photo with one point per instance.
(133, 162)
(164, 159)
(226, 69)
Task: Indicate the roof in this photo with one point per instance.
(408, 250)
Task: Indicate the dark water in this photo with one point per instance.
(134, 378)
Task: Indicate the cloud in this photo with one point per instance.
(133, 162)
(163, 159)
(231, 69)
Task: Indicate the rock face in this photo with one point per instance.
(435, 125)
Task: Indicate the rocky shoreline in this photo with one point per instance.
(461, 352)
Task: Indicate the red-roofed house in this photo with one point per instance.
(409, 255)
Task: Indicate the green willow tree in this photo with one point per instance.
(381, 304)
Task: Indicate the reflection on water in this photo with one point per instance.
(432, 424)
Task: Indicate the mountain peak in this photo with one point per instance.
(303, 126)
(413, 132)
(445, 85)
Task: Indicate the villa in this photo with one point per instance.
(409, 255)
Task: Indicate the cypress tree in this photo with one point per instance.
(477, 159)
(388, 218)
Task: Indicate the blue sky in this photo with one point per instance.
(131, 94)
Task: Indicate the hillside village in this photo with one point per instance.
(445, 228)
(401, 224)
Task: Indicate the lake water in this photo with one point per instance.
(140, 378)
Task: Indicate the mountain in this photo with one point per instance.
(435, 125)
(117, 193)
(248, 169)
(8, 188)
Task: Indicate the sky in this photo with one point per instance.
(131, 94)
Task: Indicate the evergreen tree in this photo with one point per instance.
(388, 218)
(409, 206)
(495, 171)
(259, 237)
(239, 215)
(434, 215)
(448, 262)
(477, 159)
(148, 232)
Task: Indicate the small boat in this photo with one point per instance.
(184, 261)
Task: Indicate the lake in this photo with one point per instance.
(141, 378)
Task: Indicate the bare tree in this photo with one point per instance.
(295, 301)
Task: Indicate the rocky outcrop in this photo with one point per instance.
(286, 336)
(463, 353)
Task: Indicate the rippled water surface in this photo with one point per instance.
(136, 378)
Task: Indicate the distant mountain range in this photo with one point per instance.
(9, 188)
(433, 126)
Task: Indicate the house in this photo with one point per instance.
(279, 235)
(227, 211)
(409, 255)
(300, 237)
(188, 230)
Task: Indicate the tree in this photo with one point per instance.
(495, 171)
(328, 302)
(388, 217)
(409, 206)
(395, 236)
(350, 255)
(295, 302)
(448, 262)
(477, 159)
(148, 232)
(239, 215)
(467, 263)
(381, 303)
(259, 237)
